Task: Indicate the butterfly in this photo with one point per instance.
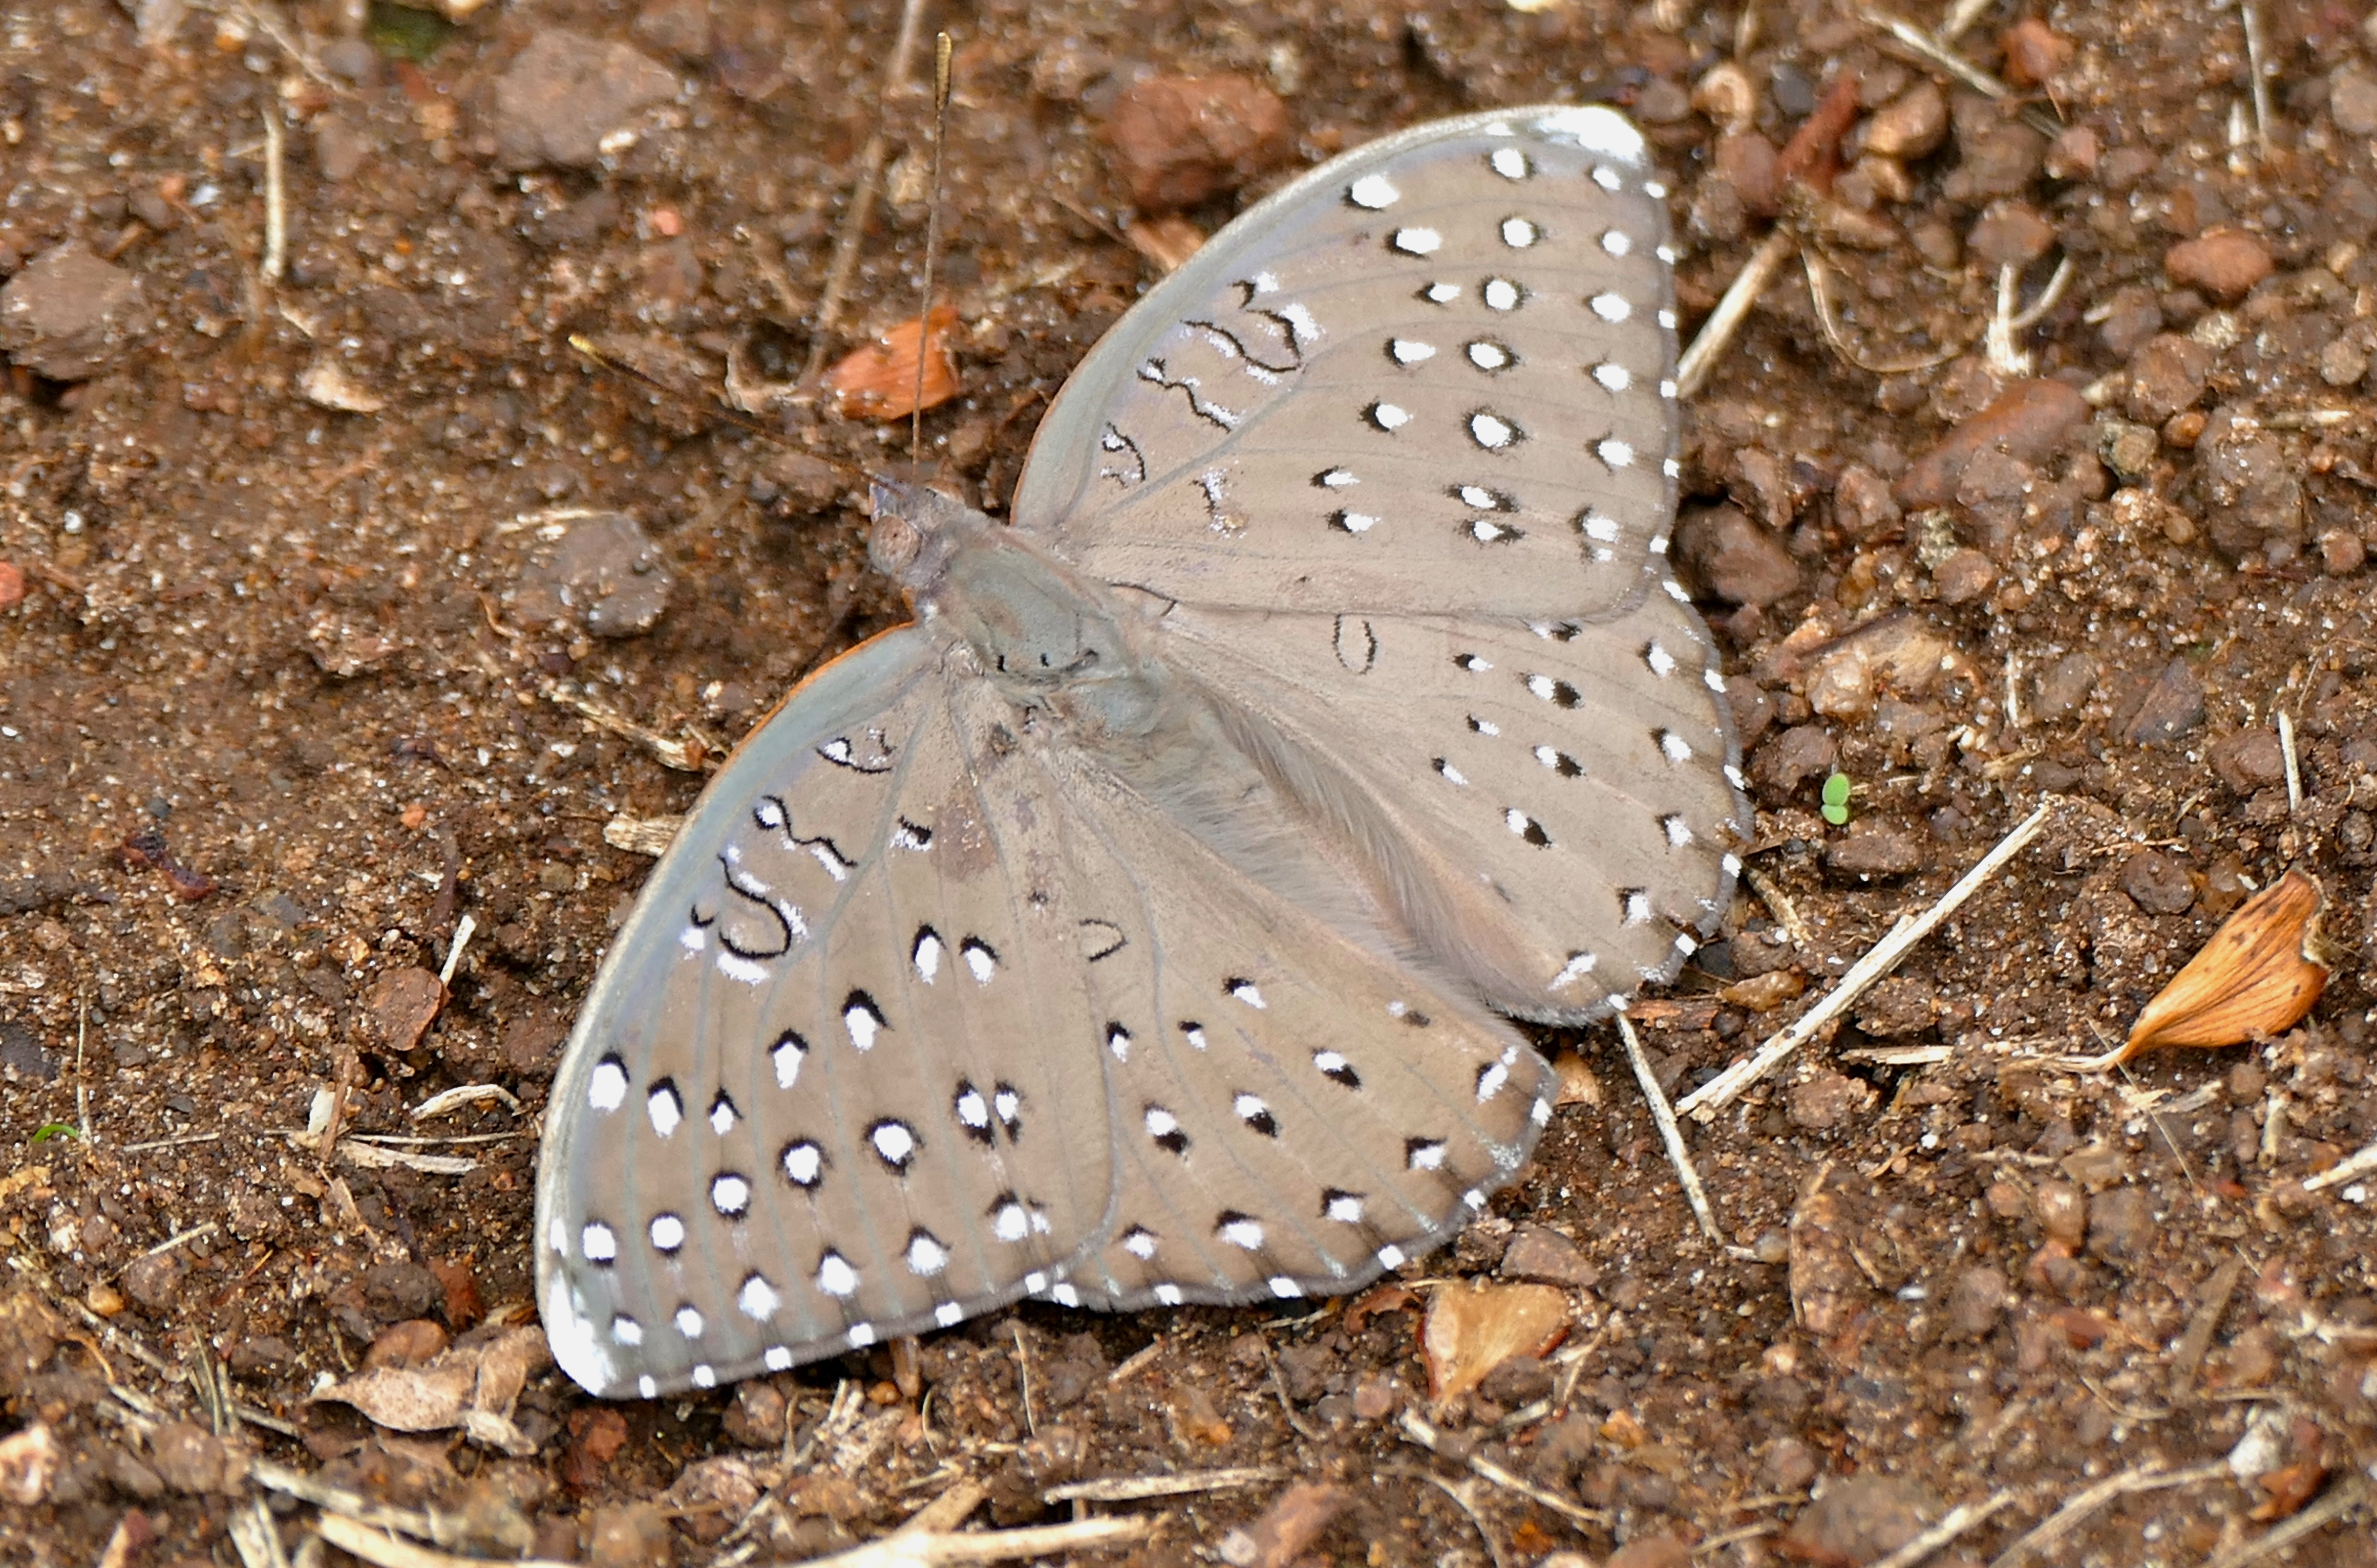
(1140, 924)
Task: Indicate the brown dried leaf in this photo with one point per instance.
(1294, 1523)
(1469, 1333)
(469, 1387)
(878, 382)
(403, 1003)
(2257, 977)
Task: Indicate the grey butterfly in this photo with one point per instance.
(1130, 930)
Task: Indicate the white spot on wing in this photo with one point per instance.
(1611, 307)
(606, 1086)
(1417, 241)
(1373, 191)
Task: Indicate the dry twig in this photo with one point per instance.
(1957, 1520)
(1427, 1437)
(1679, 1155)
(1138, 1489)
(1726, 1087)
(2080, 1504)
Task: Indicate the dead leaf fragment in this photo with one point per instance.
(1292, 1524)
(1469, 1333)
(2257, 977)
(402, 1005)
(28, 1458)
(878, 382)
(469, 1387)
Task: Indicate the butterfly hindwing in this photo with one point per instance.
(837, 1082)
(1567, 783)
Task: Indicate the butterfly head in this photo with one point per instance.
(915, 532)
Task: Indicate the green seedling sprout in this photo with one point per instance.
(1837, 800)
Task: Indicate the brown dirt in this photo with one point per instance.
(281, 643)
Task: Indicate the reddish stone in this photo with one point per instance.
(1182, 140)
(2028, 420)
(2224, 262)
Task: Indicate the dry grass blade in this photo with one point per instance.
(1138, 1489)
(381, 1550)
(1427, 1437)
(1957, 1520)
(926, 1550)
(1705, 1101)
(2080, 1504)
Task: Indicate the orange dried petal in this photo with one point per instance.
(2257, 977)
(878, 382)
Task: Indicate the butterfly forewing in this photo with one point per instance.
(1434, 376)
(833, 1083)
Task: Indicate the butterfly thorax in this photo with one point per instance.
(1048, 638)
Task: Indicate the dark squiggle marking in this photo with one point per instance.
(1155, 374)
(1112, 440)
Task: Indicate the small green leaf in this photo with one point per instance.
(404, 32)
(1837, 799)
(49, 1129)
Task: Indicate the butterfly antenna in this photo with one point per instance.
(932, 246)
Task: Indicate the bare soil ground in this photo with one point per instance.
(289, 695)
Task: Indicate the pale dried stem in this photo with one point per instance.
(1957, 1520)
(1722, 1091)
(2344, 1498)
(855, 216)
(1717, 334)
(1427, 1437)
(2080, 1504)
(1678, 1154)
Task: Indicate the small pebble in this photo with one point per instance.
(2062, 1211)
(1735, 559)
(2352, 100)
(189, 1458)
(406, 1344)
(1976, 1301)
(1872, 849)
(12, 586)
(2224, 262)
(2157, 884)
(2074, 154)
(1910, 126)
(1964, 577)
(1791, 758)
(2248, 760)
(1860, 1519)
(66, 314)
(1827, 1101)
(2009, 234)
(2028, 420)
(568, 99)
(2062, 687)
(154, 1280)
(2035, 52)
(2127, 448)
(1180, 141)
(628, 1535)
(2342, 553)
(2167, 373)
(2120, 1225)
(1538, 1253)
(2171, 706)
(2342, 362)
